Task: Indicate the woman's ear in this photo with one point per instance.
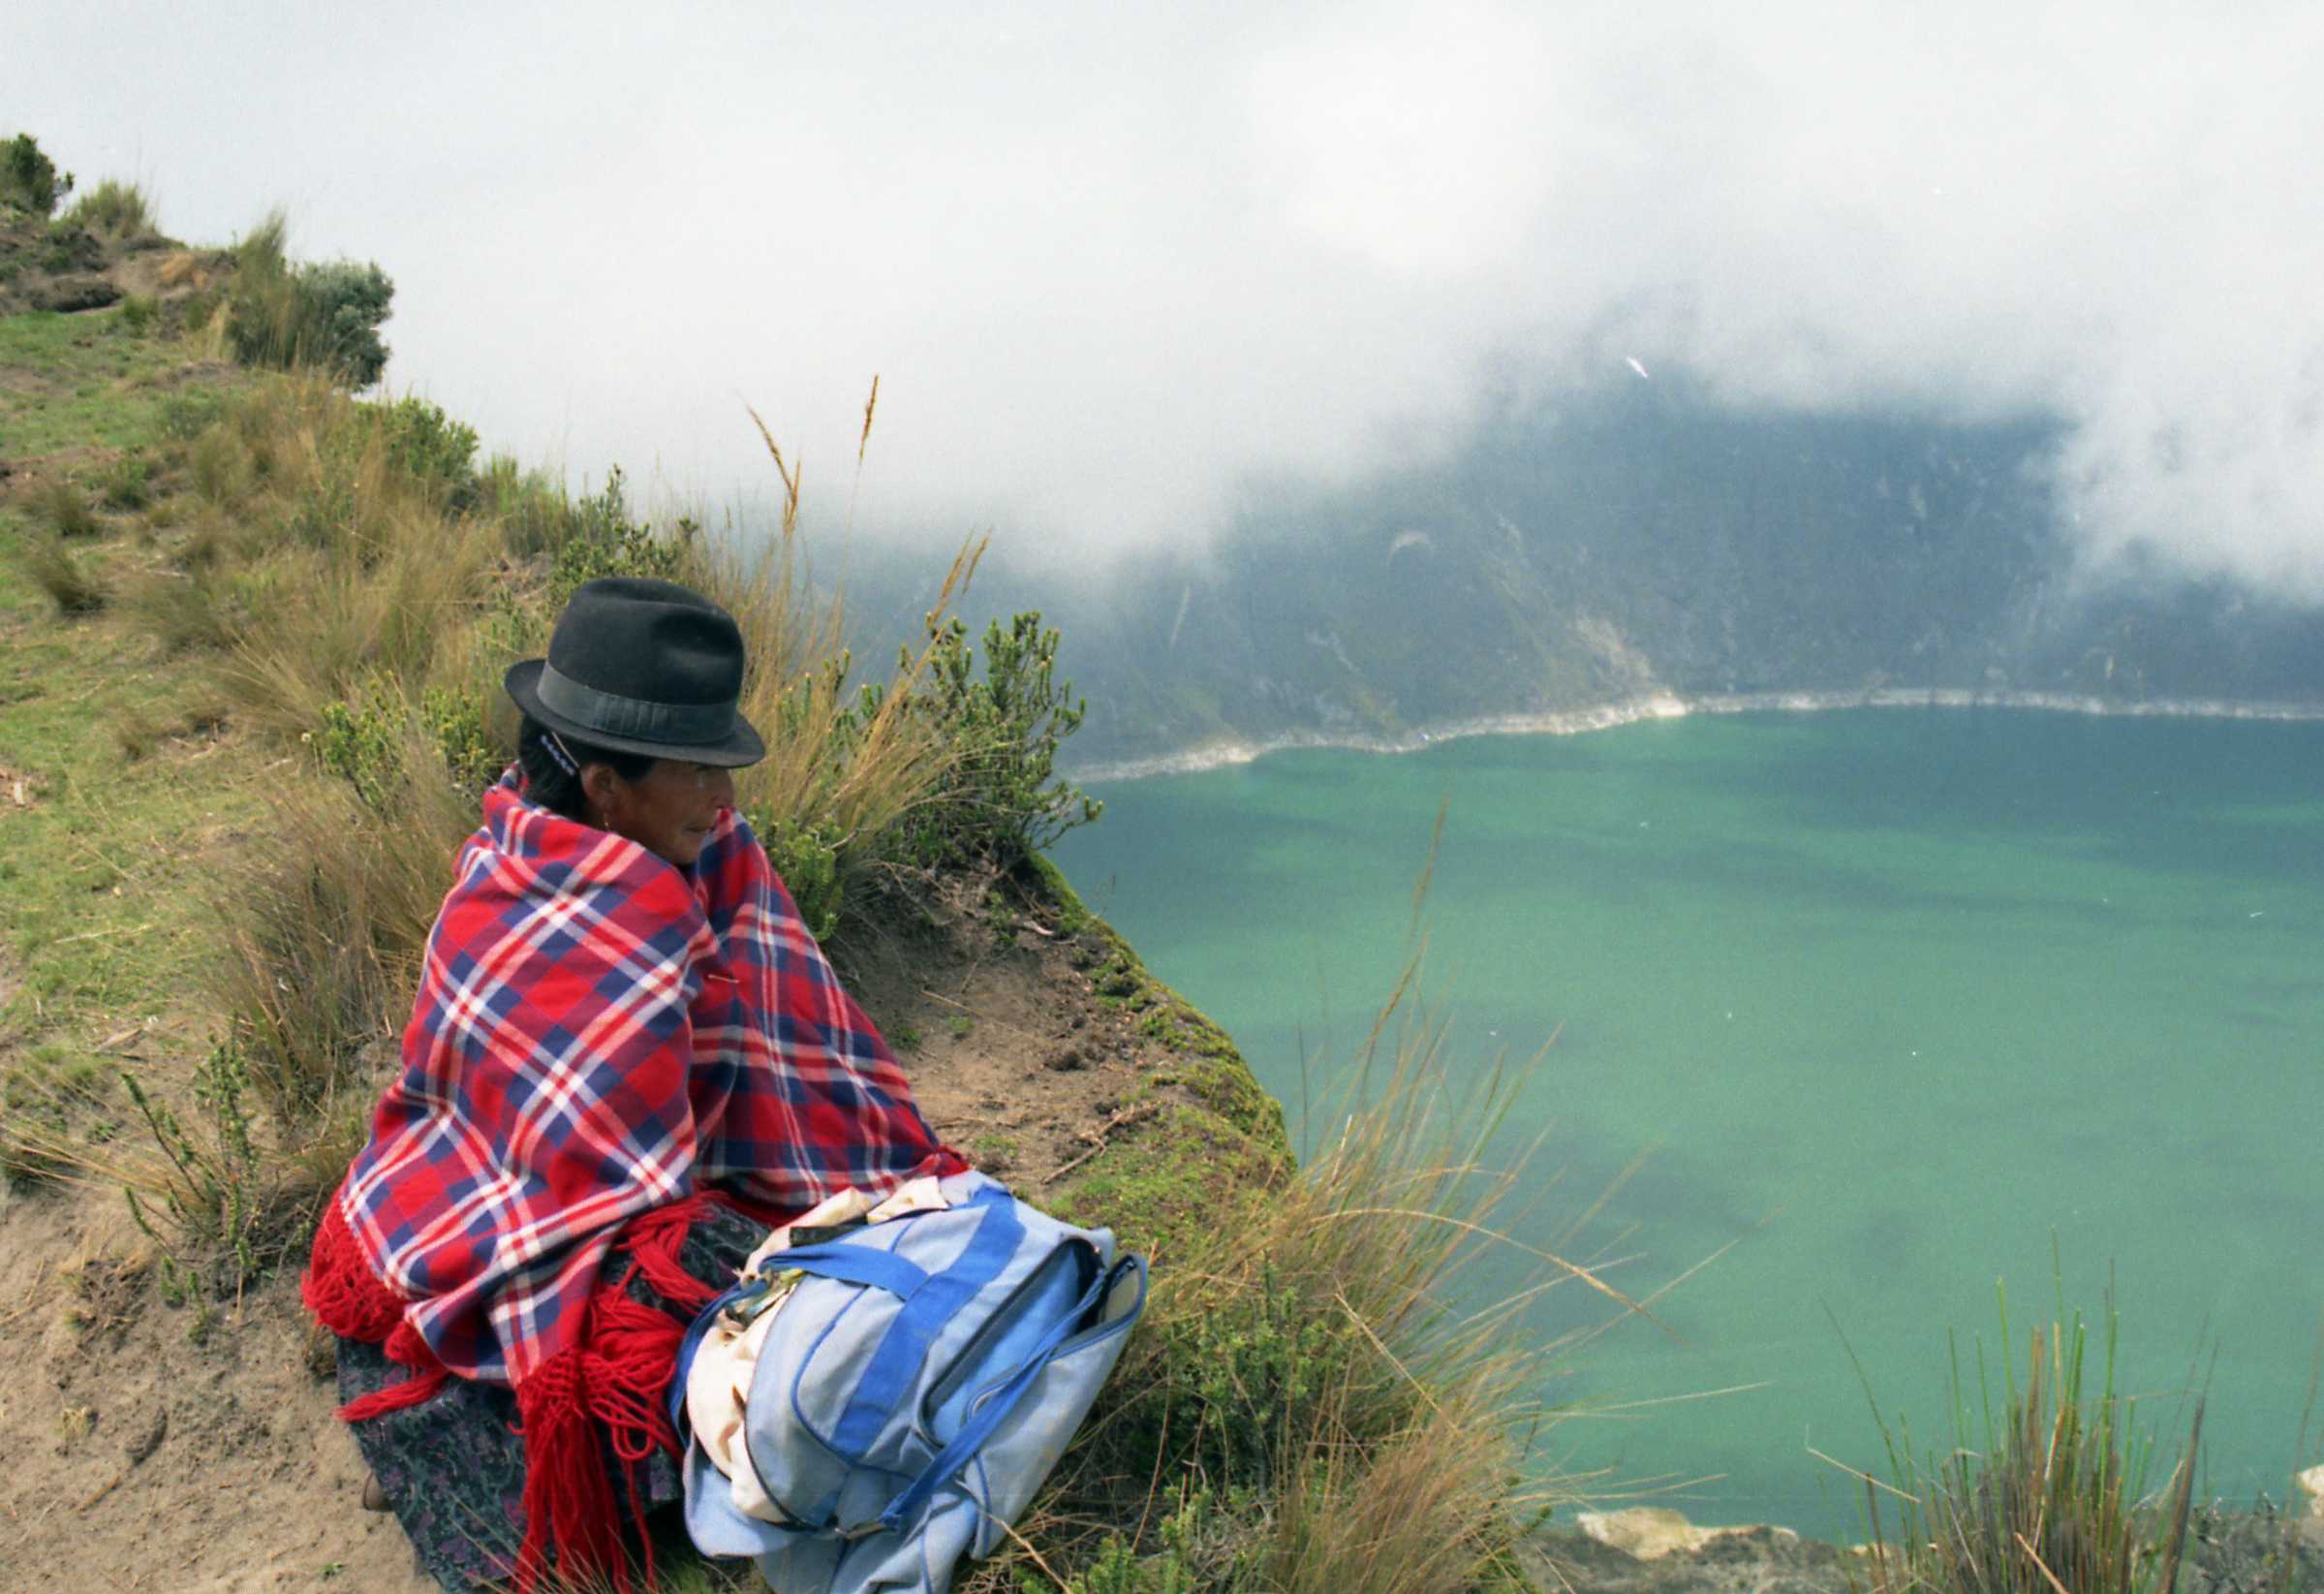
(597, 786)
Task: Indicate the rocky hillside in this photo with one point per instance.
(1642, 542)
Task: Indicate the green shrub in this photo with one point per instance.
(1000, 800)
(29, 178)
(119, 211)
(602, 540)
(366, 744)
(806, 857)
(362, 747)
(455, 721)
(223, 1211)
(139, 312)
(284, 314)
(431, 447)
(342, 304)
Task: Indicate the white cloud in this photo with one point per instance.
(1111, 263)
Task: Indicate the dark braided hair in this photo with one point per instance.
(548, 783)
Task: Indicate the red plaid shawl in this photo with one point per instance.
(598, 1036)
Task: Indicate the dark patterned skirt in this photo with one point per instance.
(453, 1467)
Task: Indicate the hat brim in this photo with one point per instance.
(739, 747)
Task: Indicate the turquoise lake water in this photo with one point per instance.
(1893, 1000)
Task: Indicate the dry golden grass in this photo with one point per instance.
(326, 926)
(182, 269)
(1306, 1407)
(829, 763)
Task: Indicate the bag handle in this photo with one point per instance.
(994, 1412)
(893, 1368)
(863, 1265)
(853, 1259)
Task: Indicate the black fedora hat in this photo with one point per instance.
(646, 666)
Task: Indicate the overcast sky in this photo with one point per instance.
(1113, 264)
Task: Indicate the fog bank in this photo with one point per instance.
(1120, 268)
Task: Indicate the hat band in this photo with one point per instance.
(615, 715)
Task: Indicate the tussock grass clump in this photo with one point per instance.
(65, 508)
(120, 212)
(1303, 1408)
(844, 768)
(2046, 1490)
(73, 585)
(128, 484)
(200, 607)
(50, 1106)
(325, 929)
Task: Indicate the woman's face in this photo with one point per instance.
(671, 812)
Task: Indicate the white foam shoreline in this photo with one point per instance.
(1570, 722)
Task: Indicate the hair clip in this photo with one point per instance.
(559, 753)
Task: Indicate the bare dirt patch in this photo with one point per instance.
(1014, 1058)
(19, 791)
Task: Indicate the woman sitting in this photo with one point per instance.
(627, 1060)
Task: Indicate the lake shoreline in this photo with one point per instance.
(1670, 705)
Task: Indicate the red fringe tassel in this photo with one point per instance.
(607, 1390)
(348, 1298)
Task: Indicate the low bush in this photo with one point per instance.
(1000, 800)
(431, 449)
(602, 538)
(284, 314)
(216, 1190)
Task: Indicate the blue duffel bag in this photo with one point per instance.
(917, 1384)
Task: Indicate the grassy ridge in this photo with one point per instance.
(255, 630)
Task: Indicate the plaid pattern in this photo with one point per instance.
(598, 1034)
